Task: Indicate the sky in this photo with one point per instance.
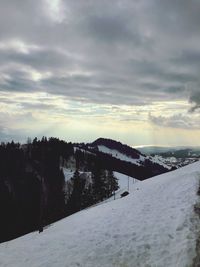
(79, 70)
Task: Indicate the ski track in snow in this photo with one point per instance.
(154, 226)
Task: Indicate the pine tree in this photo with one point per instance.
(87, 197)
(99, 183)
(76, 196)
(112, 183)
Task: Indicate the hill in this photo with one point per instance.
(155, 225)
(48, 179)
(173, 156)
(125, 159)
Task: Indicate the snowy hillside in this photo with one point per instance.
(126, 153)
(137, 161)
(121, 156)
(159, 160)
(173, 156)
(126, 183)
(155, 225)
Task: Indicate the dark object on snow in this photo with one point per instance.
(124, 194)
(197, 209)
(198, 192)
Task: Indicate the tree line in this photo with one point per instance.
(32, 184)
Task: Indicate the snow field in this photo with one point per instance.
(155, 225)
(118, 155)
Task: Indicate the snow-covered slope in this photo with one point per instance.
(139, 161)
(126, 183)
(155, 225)
(116, 154)
(159, 160)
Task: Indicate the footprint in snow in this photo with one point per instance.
(170, 236)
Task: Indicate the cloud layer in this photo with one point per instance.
(136, 51)
(132, 53)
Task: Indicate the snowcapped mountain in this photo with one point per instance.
(125, 159)
(126, 153)
(155, 225)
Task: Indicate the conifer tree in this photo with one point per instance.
(99, 182)
(87, 197)
(113, 183)
(76, 197)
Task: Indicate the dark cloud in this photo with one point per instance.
(112, 30)
(175, 121)
(118, 52)
(190, 58)
(43, 59)
(195, 100)
(18, 81)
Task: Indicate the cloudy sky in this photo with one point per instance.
(123, 69)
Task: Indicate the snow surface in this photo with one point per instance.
(68, 173)
(83, 150)
(159, 160)
(126, 183)
(155, 225)
(118, 155)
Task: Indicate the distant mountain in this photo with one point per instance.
(174, 156)
(148, 150)
(182, 153)
(124, 159)
(110, 144)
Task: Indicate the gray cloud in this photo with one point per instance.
(118, 52)
(176, 121)
(17, 81)
(39, 59)
(195, 100)
(112, 29)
